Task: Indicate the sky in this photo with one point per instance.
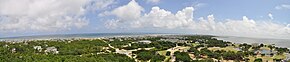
(245, 18)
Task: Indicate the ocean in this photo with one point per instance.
(69, 36)
(276, 42)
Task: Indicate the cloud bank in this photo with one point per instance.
(183, 19)
(46, 15)
(41, 15)
(59, 15)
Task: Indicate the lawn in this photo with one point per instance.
(167, 58)
(162, 52)
(279, 56)
(194, 44)
(229, 48)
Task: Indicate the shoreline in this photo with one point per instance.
(73, 36)
(239, 40)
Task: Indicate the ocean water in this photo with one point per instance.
(69, 36)
(276, 42)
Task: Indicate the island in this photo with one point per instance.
(151, 48)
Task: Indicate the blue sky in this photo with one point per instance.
(39, 17)
(228, 9)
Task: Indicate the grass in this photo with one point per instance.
(167, 58)
(229, 48)
(162, 52)
(279, 56)
(266, 58)
(194, 44)
(214, 48)
(252, 58)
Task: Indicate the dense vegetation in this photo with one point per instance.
(146, 55)
(77, 50)
(193, 48)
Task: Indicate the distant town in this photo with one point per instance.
(147, 48)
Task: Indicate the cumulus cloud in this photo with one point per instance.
(126, 13)
(112, 24)
(46, 15)
(160, 18)
(245, 27)
(282, 6)
(156, 18)
(183, 19)
(131, 11)
(41, 15)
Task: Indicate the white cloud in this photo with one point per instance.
(282, 6)
(131, 11)
(46, 15)
(271, 16)
(160, 18)
(245, 28)
(112, 24)
(156, 18)
(198, 5)
(101, 4)
(153, 1)
(183, 19)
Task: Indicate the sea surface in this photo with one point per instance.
(70, 36)
(276, 42)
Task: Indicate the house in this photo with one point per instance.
(38, 48)
(51, 50)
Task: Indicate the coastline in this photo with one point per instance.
(79, 36)
(240, 40)
(233, 39)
